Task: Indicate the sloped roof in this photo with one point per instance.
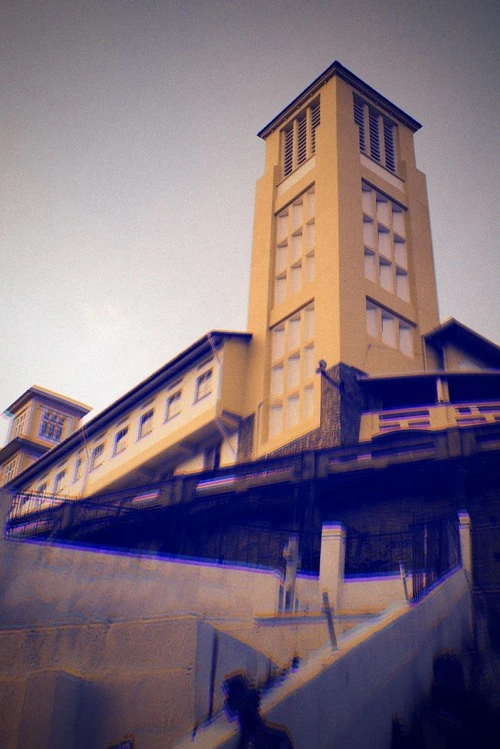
(336, 68)
(36, 390)
(452, 331)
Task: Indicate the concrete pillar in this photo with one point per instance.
(332, 562)
(465, 543)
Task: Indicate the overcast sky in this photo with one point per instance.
(129, 157)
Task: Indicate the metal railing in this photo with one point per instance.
(427, 550)
(436, 550)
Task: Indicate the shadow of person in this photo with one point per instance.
(242, 703)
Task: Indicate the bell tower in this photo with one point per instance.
(342, 265)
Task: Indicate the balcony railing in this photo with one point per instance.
(432, 417)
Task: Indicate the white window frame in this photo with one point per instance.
(120, 440)
(77, 473)
(146, 423)
(9, 470)
(174, 405)
(97, 456)
(18, 427)
(204, 385)
(59, 481)
(52, 425)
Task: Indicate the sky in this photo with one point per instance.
(129, 157)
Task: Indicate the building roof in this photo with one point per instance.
(202, 347)
(336, 68)
(455, 332)
(36, 390)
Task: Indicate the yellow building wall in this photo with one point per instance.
(339, 290)
(177, 442)
(459, 359)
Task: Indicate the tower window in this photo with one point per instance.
(389, 328)
(20, 421)
(299, 138)
(385, 254)
(52, 425)
(9, 471)
(292, 371)
(295, 235)
(376, 134)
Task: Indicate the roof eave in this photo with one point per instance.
(336, 68)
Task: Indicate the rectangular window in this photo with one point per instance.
(277, 380)
(78, 467)
(370, 268)
(59, 481)
(275, 419)
(388, 329)
(42, 488)
(52, 426)
(9, 471)
(372, 320)
(203, 385)
(211, 458)
(173, 405)
(121, 440)
(97, 456)
(146, 423)
(392, 330)
(386, 275)
(295, 241)
(20, 422)
(402, 287)
(385, 254)
(292, 371)
(292, 411)
(278, 342)
(405, 339)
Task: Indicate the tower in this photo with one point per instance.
(342, 267)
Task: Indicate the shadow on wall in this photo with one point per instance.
(454, 716)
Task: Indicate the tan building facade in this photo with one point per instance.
(344, 342)
(342, 264)
(40, 420)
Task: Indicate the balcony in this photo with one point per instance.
(432, 417)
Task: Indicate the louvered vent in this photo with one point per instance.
(390, 160)
(360, 122)
(301, 140)
(379, 140)
(315, 120)
(288, 151)
(374, 135)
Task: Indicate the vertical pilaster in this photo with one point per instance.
(332, 562)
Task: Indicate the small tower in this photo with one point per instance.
(41, 419)
(342, 264)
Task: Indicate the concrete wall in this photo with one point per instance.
(45, 584)
(347, 698)
(88, 685)
(54, 585)
(372, 594)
